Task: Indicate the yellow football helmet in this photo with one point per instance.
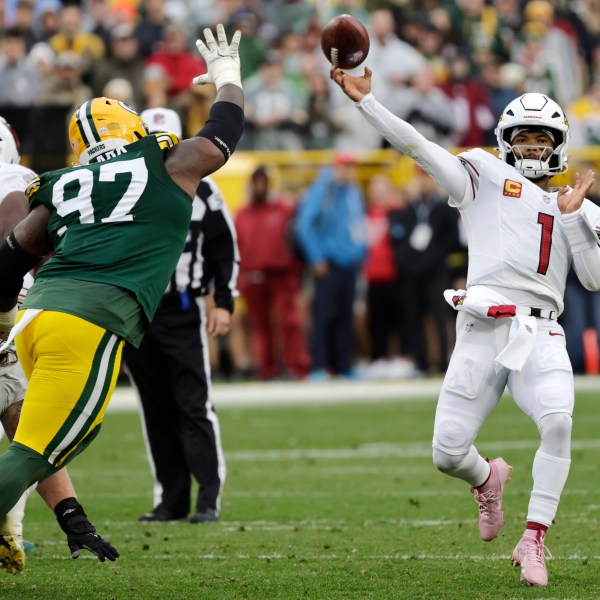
(101, 125)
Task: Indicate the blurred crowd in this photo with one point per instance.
(346, 279)
(448, 66)
(343, 282)
(355, 271)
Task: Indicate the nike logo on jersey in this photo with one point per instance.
(556, 333)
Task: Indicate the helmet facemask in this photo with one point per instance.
(547, 162)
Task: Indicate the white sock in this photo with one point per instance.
(549, 478)
(470, 467)
(12, 522)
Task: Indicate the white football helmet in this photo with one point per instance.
(532, 111)
(9, 143)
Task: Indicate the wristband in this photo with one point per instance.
(70, 510)
(580, 233)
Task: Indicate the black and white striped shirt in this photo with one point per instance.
(210, 259)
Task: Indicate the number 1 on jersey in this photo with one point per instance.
(547, 223)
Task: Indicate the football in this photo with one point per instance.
(345, 41)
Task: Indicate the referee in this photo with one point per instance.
(171, 368)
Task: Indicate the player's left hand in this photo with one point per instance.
(219, 322)
(222, 59)
(570, 200)
(94, 543)
(81, 534)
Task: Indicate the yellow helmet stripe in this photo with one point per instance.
(86, 125)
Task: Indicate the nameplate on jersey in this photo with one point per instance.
(512, 189)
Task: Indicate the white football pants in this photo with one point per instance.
(473, 385)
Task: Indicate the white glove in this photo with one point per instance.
(222, 59)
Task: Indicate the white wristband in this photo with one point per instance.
(227, 73)
(580, 233)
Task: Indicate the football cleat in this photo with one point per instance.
(529, 555)
(12, 555)
(160, 516)
(489, 498)
(101, 125)
(209, 515)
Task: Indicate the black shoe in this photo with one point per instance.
(159, 516)
(209, 515)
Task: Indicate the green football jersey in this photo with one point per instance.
(122, 222)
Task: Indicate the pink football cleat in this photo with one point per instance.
(529, 554)
(489, 498)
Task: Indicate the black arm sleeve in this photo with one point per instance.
(14, 264)
(224, 127)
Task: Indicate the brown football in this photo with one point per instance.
(345, 41)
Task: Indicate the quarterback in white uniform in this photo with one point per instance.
(523, 237)
(57, 491)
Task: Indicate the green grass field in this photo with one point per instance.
(330, 501)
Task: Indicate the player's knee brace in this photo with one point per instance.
(451, 444)
(555, 432)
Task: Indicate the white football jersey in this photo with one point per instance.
(515, 235)
(14, 178)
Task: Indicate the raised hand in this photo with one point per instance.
(569, 200)
(222, 59)
(356, 88)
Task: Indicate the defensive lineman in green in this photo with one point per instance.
(101, 214)
(117, 225)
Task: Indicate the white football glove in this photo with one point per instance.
(222, 59)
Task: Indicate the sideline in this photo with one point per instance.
(291, 393)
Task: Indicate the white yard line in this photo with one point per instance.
(294, 393)
(326, 557)
(387, 450)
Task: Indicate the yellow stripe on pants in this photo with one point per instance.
(72, 366)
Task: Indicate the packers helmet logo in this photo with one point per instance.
(512, 188)
(127, 107)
